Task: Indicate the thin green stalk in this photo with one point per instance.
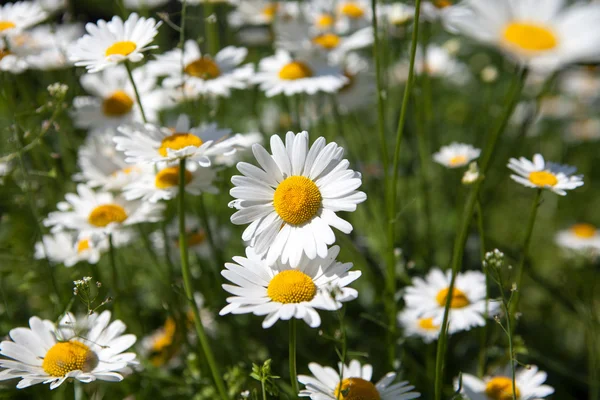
(484, 330)
(216, 252)
(292, 349)
(338, 117)
(187, 283)
(340, 315)
(262, 387)
(115, 276)
(135, 89)
(391, 188)
(212, 31)
(463, 229)
(509, 333)
(525, 251)
(380, 105)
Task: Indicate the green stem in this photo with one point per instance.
(212, 34)
(340, 315)
(262, 387)
(187, 283)
(135, 89)
(292, 348)
(115, 276)
(380, 105)
(216, 252)
(463, 229)
(484, 330)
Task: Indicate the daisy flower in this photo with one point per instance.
(285, 291)
(100, 212)
(162, 183)
(579, 237)
(69, 249)
(148, 144)
(581, 83)
(291, 202)
(427, 297)
(437, 63)
(583, 130)
(437, 9)
(160, 346)
(528, 385)
(12, 62)
(356, 384)
(197, 239)
(201, 73)
(359, 91)
(45, 353)
(352, 15)
(542, 35)
(15, 17)
(397, 14)
(254, 12)
(282, 74)
(45, 46)
(415, 325)
(456, 155)
(545, 175)
(115, 41)
(242, 143)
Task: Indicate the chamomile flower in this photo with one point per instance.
(283, 74)
(197, 239)
(113, 42)
(201, 73)
(415, 325)
(397, 14)
(46, 353)
(437, 9)
(528, 385)
(581, 83)
(456, 155)
(149, 144)
(335, 47)
(324, 384)
(579, 237)
(583, 130)
(161, 346)
(427, 297)
(100, 212)
(545, 175)
(291, 202)
(12, 62)
(15, 17)
(284, 291)
(352, 15)
(45, 46)
(543, 36)
(359, 91)
(242, 143)
(437, 63)
(254, 12)
(69, 249)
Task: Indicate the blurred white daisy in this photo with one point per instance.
(427, 297)
(15, 17)
(197, 239)
(254, 12)
(282, 74)
(352, 15)
(201, 73)
(415, 325)
(45, 353)
(582, 83)
(162, 183)
(542, 35)
(12, 62)
(579, 237)
(456, 155)
(528, 385)
(148, 144)
(52, 6)
(284, 291)
(292, 200)
(396, 14)
(143, 4)
(115, 41)
(359, 91)
(242, 143)
(583, 130)
(438, 63)
(69, 248)
(45, 46)
(545, 175)
(324, 384)
(437, 9)
(87, 212)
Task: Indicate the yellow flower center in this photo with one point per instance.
(584, 231)
(325, 21)
(65, 357)
(356, 389)
(117, 104)
(196, 238)
(291, 286)
(4, 25)
(295, 70)
(352, 10)
(543, 178)
(165, 339)
(169, 177)
(178, 141)
(126, 171)
(500, 388)
(107, 214)
(270, 11)
(204, 68)
(457, 161)
(459, 298)
(442, 3)
(529, 37)
(83, 245)
(121, 48)
(297, 200)
(4, 53)
(427, 323)
(327, 40)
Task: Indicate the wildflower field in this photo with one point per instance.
(324, 199)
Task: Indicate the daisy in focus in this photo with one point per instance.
(528, 385)
(46, 353)
(427, 297)
(545, 175)
(579, 238)
(292, 200)
(540, 35)
(69, 249)
(284, 290)
(456, 155)
(415, 325)
(113, 42)
(356, 384)
(15, 17)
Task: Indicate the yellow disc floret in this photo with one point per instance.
(584, 231)
(124, 48)
(295, 70)
(500, 388)
(356, 389)
(106, 214)
(291, 286)
(83, 245)
(543, 178)
(178, 141)
(169, 177)
(297, 200)
(327, 40)
(457, 161)
(325, 21)
(427, 324)
(4, 25)
(270, 11)
(65, 357)
(204, 68)
(117, 104)
(442, 3)
(352, 10)
(459, 298)
(529, 37)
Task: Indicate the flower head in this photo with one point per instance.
(545, 175)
